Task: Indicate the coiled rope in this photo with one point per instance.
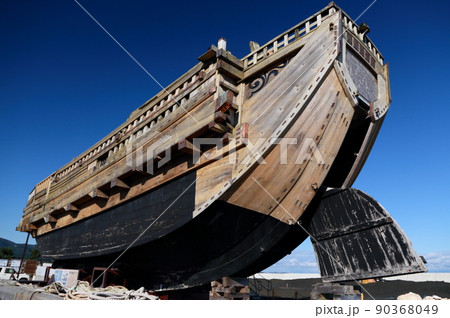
(83, 291)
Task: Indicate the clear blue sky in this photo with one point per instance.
(64, 84)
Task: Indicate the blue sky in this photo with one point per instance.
(64, 84)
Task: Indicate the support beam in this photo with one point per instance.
(219, 128)
(98, 194)
(49, 219)
(71, 208)
(117, 183)
(225, 101)
(186, 146)
(220, 117)
(30, 227)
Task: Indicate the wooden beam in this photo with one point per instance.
(49, 219)
(117, 183)
(71, 208)
(187, 147)
(220, 117)
(219, 128)
(230, 70)
(30, 227)
(245, 130)
(225, 101)
(212, 51)
(141, 170)
(227, 86)
(230, 58)
(98, 194)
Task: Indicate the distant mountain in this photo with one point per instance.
(17, 248)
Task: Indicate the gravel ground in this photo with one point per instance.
(383, 290)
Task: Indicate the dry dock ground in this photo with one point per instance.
(276, 289)
(383, 290)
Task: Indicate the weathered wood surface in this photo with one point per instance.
(310, 102)
(277, 104)
(356, 238)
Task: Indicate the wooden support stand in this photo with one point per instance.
(323, 291)
(228, 289)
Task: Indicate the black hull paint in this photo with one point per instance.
(165, 209)
(224, 240)
(177, 251)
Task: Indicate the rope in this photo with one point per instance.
(54, 288)
(83, 291)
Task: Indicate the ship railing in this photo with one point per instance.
(302, 29)
(287, 38)
(140, 122)
(353, 28)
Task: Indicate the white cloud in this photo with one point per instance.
(438, 262)
(299, 261)
(304, 261)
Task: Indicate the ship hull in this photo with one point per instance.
(225, 240)
(277, 125)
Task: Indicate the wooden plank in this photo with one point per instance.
(230, 70)
(71, 208)
(184, 127)
(205, 57)
(187, 147)
(98, 194)
(49, 219)
(312, 123)
(230, 58)
(219, 128)
(165, 174)
(269, 110)
(117, 183)
(328, 147)
(220, 117)
(181, 128)
(229, 87)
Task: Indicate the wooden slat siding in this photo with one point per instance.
(346, 82)
(285, 89)
(273, 116)
(314, 174)
(164, 175)
(363, 153)
(192, 87)
(185, 126)
(177, 129)
(312, 123)
(135, 115)
(381, 105)
(179, 114)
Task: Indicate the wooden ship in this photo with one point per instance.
(213, 175)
